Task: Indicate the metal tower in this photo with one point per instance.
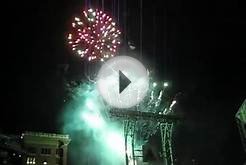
(130, 118)
(241, 122)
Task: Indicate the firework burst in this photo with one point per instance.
(94, 35)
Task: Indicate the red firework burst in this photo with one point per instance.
(94, 35)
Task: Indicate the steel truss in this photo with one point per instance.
(130, 118)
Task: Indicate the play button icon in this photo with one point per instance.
(122, 82)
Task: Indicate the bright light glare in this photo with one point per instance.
(116, 141)
(90, 105)
(165, 84)
(154, 84)
(92, 119)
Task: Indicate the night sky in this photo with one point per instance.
(199, 46)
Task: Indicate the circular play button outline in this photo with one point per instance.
(122, 81)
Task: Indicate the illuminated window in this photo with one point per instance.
(30, 160)
(46, 151)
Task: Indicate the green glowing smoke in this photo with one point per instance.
(95, 139)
